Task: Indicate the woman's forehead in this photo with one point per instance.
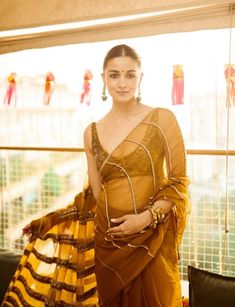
(122, 63)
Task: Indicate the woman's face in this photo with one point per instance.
(122, 76)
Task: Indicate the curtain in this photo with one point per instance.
(163, 17)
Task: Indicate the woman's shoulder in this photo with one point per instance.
(164, 118)
(88, 132)
(164, 110)
(146, 108)
(160, 110)
(165, 113)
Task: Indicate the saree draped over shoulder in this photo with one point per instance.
(141, 270)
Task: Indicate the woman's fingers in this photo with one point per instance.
(124, 227)
(129, 224)
(119, 219)
(26, 229)
(118, 228)
(115, 230)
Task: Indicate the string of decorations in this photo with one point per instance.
(229, 73)
(86, 89)
(11, 90)
(177, 92)
(48, 88)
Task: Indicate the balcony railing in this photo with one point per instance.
(36, 180)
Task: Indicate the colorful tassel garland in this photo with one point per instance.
(229, 73)
(178, 85)
(49, 87)
(11, 90)
(86, 89)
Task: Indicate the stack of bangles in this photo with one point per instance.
(157, 214)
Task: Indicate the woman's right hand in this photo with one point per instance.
(34, 228)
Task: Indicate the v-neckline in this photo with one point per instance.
(131, 130)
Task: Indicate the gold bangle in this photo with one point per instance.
(158, 216)
(153, 224)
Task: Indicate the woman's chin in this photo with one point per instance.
(124, 99)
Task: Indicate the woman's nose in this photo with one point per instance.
(122, 81)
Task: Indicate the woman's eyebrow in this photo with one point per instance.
(117, 71)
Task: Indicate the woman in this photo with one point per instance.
(137, 173)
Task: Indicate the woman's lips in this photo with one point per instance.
(122, 93)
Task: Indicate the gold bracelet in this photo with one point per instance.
(153, 224)
(158, 216)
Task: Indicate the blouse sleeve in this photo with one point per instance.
(174, 185)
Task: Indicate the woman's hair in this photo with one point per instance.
(119, 51)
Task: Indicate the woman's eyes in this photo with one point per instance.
(131, 75)
(116, 75)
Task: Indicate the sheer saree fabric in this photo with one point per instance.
(149, 164)
(57, 267)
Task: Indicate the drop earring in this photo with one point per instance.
(138, 98)
(104, 96)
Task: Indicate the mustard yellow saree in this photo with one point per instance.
(72, 261)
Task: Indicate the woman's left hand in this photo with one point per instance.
(130, 224)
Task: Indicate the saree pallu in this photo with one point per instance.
(57, 267)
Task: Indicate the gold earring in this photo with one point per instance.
(104, 96)
(138, 98)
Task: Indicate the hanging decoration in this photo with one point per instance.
(177, 94)
(48, 88)
(229, 73)
(11, 90)
(86, 89)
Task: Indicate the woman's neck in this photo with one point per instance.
(125, 109)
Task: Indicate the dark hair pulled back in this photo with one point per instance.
(119, 51)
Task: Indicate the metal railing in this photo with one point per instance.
(36, 180)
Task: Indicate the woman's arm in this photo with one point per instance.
(93, 174)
